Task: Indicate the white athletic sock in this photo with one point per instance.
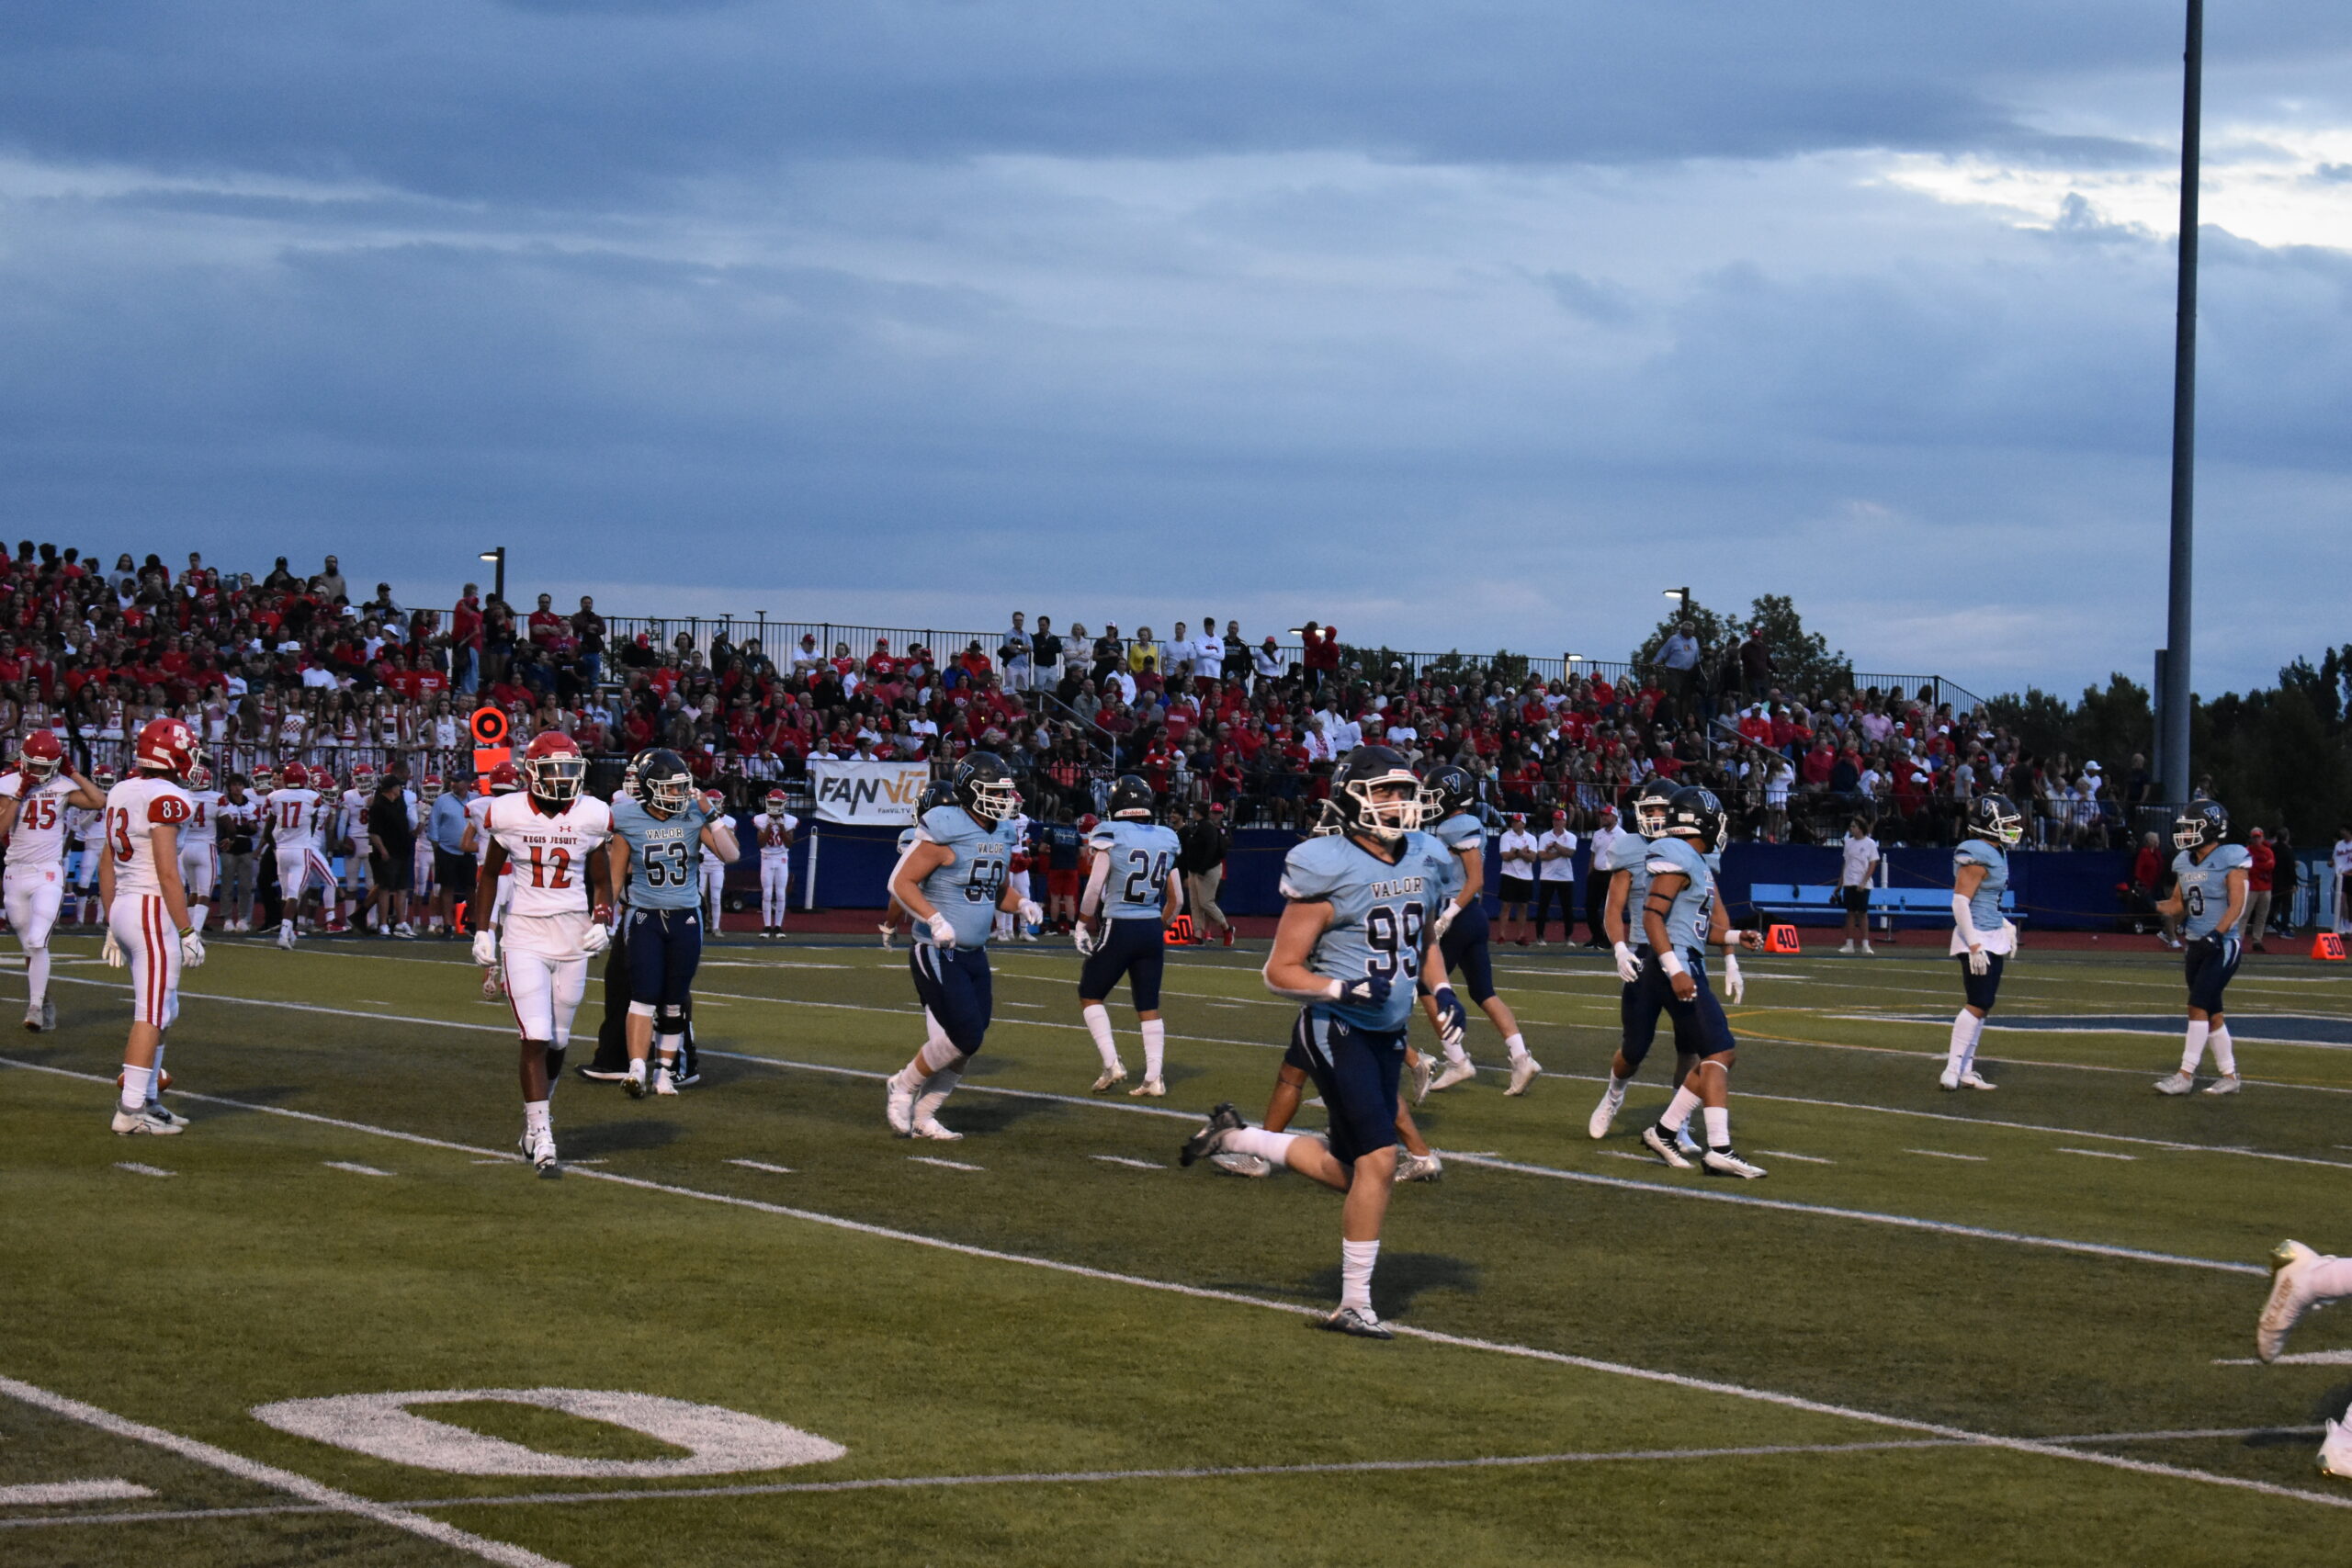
(1516, 1044)
(198, 915)
(1617, 1085)
(1678, 1111)
(1273, 1148)
(134, 1087)
(2331, 1279)
(1098, 1024)
(935, 1090)
(2192, 1053)
(156, 1076)
(1963, 1042)
(1155, 1046)
(909, 1078)
(1356, 1258)
(937, 1056)
(2225, 1056)
(1454, 1052)
(636, 1070)
(670, 1047)
(1718, 1126)
(37, 972)
(536, 1118)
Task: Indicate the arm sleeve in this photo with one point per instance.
(1092, 899)
(1960, 920)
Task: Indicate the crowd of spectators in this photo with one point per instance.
(288, 666)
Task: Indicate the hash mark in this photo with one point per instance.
(1802, 1159)
(1134, 1164)
(354, 1170)
(2097, 1154)
(947, 1164)
(110, 1490)
(1944, 1154)
(137, 1169)
(762, 1165)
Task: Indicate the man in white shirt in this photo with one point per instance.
(1854, 875)
(1346, 735)
(1208, 657)
(1556, 878)
(1515, 858)
(2341, 858)
(1596, 886)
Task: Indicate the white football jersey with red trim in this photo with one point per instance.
(38, 841)
(550, 854)
(294, 816)
(135, 809)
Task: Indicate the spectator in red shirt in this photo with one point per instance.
(465, 637)
(2259, 886)
(546, 627)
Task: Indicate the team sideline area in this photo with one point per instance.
(2004, 1328)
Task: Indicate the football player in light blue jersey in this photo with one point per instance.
(1629, 889)
(1981, 937)
(1130, 894)
(659, 832)
(1680, 916)
(934, 794)
(953, 880)
(1462, 937)
(2208, 901)
(1362, 903)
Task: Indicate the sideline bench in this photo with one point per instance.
(1895, 903)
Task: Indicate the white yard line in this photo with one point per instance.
(53, 1494)
(1404, 1330)
(137, 1169)
(944, 1164)
(270, 1475)
(762, 1165)
(354, 1170)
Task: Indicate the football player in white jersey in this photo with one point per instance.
(558, 914)
(147, 923)
(714, 869)
(34, 803)
(504, 780)
(86, 832)
(198, 839)
(423, 913)
(774, 828)
(296, 814)
(355, 846)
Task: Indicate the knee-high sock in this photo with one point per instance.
(2225, 1056)
(1967, 1029)
(1154, 1045)
(2332, 1279)
(1718, 1119)
(1098, 1024)
(670, 1046)
(935, 1090)
(37, 972)
(1356, 1258)
(134, 1087)
(197, 914)
(156, 1078)
(1678, 1111)
(1454, 1051)
(1273, 1147)
(2192, 1051)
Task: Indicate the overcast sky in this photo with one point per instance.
(1461, 326)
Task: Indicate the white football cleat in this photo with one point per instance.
(2336, 1451)
(142, 1121)
(634, 1081)
(1243, 1165)
(1112, 1078)
(33, 1019)
(2228, 1083)
(48, 1014)
(1605, 1113)
(1951, 1079)
(937, 1131)
(285, 935)
(885, 930)
(1723, 1162)
(1423, 1071)
(664, 1083)
(2290, 1297)
(1973, 1079)
(1150, 1089)
(542, 1152)
(1455, 1072)
(2179, 1083)
(899, 1108)
(1363, 1325)
(162, 1112)
(1687, 1143)
(406, 932)
(1655, 1139)
(1523, 1072)
(1411, 1167)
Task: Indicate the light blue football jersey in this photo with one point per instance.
(664, 872)
(1687, 922)
(1461, 831)
(966, 889)
(1629, 852)
(2205, 886)
(1142, 854)
(1381, 916)
(1984, 904)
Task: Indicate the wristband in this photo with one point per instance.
(187, 930)
(1671, 961)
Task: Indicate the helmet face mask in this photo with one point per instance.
(664, 784)
(984, 786)
(1650, 803)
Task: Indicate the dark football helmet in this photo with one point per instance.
(1131, 797)
(1997, 818)
(1375, 793)
(665, 782)
(1650, 803)
(1695, 813)
(1449, 790)
(983, 785)
(2200, 822)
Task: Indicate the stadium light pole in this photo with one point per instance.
(1683, 594)
(498, 583)
(2172, 723)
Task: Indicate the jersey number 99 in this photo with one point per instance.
(1391, 933)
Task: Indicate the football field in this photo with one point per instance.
(2001, 1327)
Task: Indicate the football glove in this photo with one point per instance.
(1031, 914)
(111, 951)
(599, 937)
(1979, 960)
(1085, 939)
(485, 947)
(1371, 991)
(1629, 964)
(1453, 1024)
(191, 950)
(1735, 986)
(1444, 918)
(942, 930)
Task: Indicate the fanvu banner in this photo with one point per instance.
(848, 790)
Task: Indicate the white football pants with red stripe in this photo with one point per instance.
(151, 946)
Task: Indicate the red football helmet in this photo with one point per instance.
(429, 788)
(363, 778)
(41, 756)
(293, 775)
(166, 746)
(776, 802)
(200, 777)
(555, 768)
(505, 779)
(264, 778)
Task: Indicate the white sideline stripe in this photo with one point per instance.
(1945, 1154)
(1801, 1159)
(1130, 1164)
(354, 1170)
(946, 1164)
(762, 1165)
(51, 1493)
(1903, 1222)
(2095, 1153)
(137, 1169)
(2302, 1359)
(1406, 1330)
(270, 1475)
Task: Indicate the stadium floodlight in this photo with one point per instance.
(498, 584)
(1573, 658)
(1681, 593)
